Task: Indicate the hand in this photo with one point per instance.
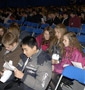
(18, 73)
(4, 69)
(55, 61)
(1, 73)
(52, 67)
(84, 67)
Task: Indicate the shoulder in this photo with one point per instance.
(43, 57)
(40, 36)
(76, 51)
(23, 57)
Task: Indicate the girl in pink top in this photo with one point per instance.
(44, 39)
(72, 51)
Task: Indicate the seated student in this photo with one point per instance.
(11, 49)
(72, 52)
(55, 50)
(56, 44)
(33, 70)
(74, 20)
(44, 39)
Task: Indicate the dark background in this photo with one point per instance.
(25, 3)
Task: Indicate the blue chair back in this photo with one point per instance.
(82, 31)
(81, 39)
(37, 32)
(22, 28)
(83, 26)
(44, 25)
(53, 26)
(11, 21)
(35, 25)
(19, 22)
(27, 23)
(84, 50)
(74, 73)
(30, 30)
(73, 29)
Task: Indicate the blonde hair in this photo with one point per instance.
(14, 29)
(9, 38)
(62, 29)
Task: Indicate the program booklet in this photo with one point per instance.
(77, 64)
(9, 66)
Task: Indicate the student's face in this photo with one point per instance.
(1, 32)
(72, 15)
(28, 51)
(65, 41)
(9, 47)
(57, 34)
(46, 35)
(64, 16)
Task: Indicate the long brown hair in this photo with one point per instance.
(62, 29)
(51, 33)
(73, 43)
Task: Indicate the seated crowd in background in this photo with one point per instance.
(51, 15)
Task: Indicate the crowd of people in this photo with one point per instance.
(67, 15)
(39, 61)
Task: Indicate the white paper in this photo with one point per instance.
(65, 65)
(9, 66)
(77, 64)
(5, 76)
(55, 56)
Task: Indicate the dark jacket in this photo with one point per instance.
(75, 22)
(37, 72)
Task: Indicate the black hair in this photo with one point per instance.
(73, 12)
(30, 41)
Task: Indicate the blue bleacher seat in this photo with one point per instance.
(73, 73)
(81, 39)
(83, 26)
(37, 32)
(82, 31)
(73, 29)
(44, 25)
(22, 28)
(30, 30)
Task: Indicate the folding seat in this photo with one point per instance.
(73, 73)
(30, 30)
(44, 25)
(34, 25)
(81, 39)
(22, 28)
(83, 26)
(73, 29)
(19, 22)
(37, 32)
(82, 31)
